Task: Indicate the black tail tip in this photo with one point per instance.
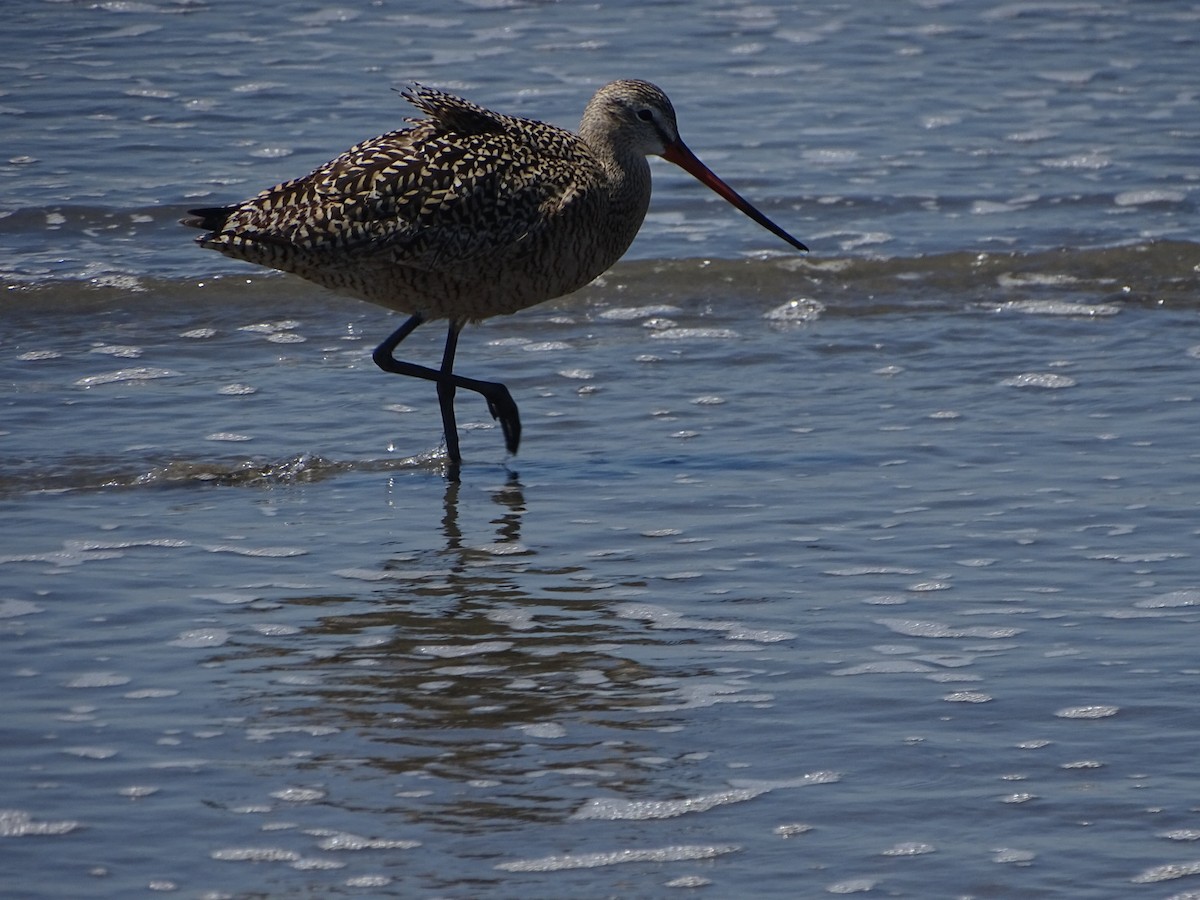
(211, 218)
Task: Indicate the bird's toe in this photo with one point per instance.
(504, 410)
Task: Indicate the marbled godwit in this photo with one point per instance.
(468, 214)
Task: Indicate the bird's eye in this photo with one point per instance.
(645, 115)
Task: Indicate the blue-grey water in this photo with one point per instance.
(867, 571)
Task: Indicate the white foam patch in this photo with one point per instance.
(617, 809)
(852, 886)
(542, 730)
(503, 548)
(255, 854)
(1099, 711)
(450, 651)
(1171, 599)
(18, 823)
(968, 697)
(1081, 161)
(1150, 195)
(272, 629)
(615, 857)
(38, 355)
(690, 334)
(137, 373)
(270, 327)
(368, 881)
(921, 628)
(515, 619)
(1059, 308)
(688, 881)
(545, 346)
(1020, 797)
(299, 795)
(1044, 380)
(343, 840)
(201, 637)
(272, 552)
(1013, 856)
(306, 863)
(237, 390)
(122, 351)
(628, 313)
(758, 635)
(612, 809)
(909, 848)
(796, 312)
(1169, 872)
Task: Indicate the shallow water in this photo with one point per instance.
(893, 129)
(884, 595)
(867, 571)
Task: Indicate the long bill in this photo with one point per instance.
(679, 154)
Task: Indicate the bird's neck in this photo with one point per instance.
(627, 172)
(630, 182)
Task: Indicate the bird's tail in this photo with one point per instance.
(210, 219)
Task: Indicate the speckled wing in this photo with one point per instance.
(463, 186)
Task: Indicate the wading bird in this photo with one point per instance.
(467, 214)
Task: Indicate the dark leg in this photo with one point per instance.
(445, 391)
(499, 400)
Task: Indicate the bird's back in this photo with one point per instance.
(464, 214)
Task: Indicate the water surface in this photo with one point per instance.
(867, 571)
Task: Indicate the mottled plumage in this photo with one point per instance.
(463, 215)
(467, 214)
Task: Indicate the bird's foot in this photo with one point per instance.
(504, 410)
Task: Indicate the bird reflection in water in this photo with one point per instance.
(466, 662)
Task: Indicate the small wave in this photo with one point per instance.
(18, 823)
(615, 808)
(136, 373)
(1046, 380)
(106, 474)
(592, 860)
(1091, 281)
(1059, 308)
